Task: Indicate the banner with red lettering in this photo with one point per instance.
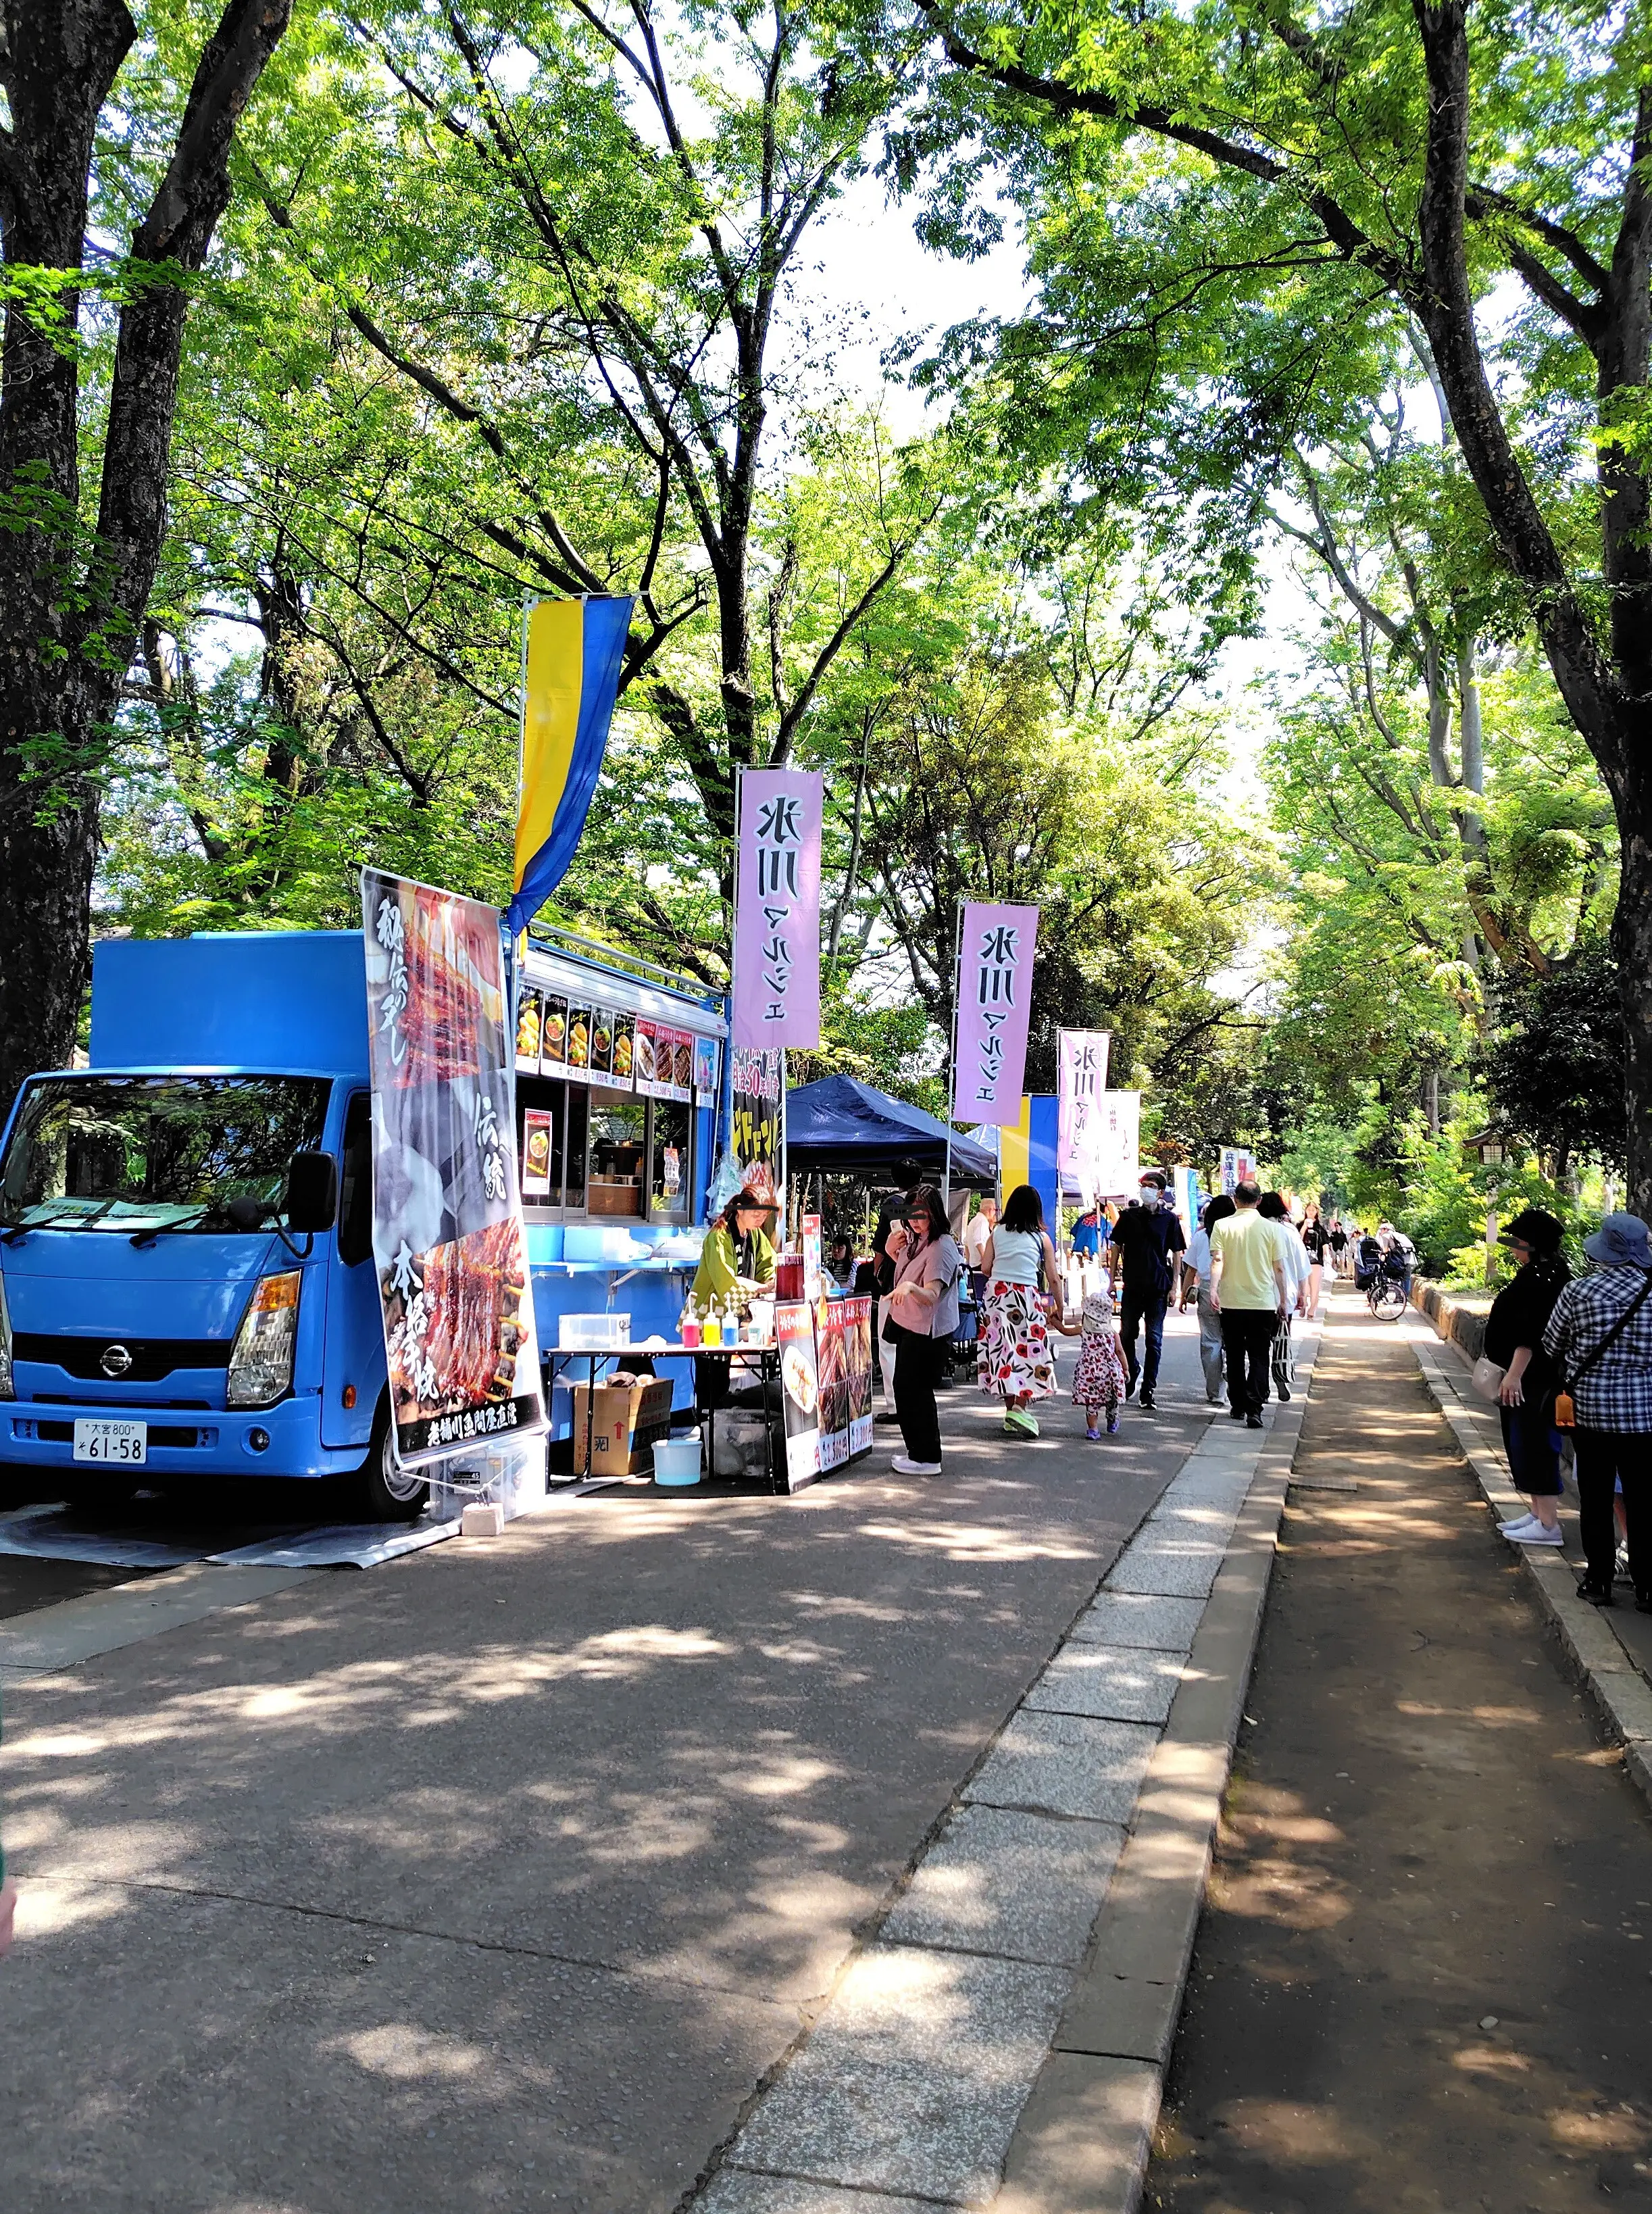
(777, 910)
(994, 994)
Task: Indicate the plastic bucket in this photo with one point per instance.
(677, 1461)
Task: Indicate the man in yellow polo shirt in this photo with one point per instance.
(1249, 1292)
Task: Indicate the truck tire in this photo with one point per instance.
(390, 1493)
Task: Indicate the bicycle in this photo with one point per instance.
(1386, 1297)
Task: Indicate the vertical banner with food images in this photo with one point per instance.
(707, 1070)
(757, 1128)
(831, 1366)
(800, 1391)
(777, 910)
(1080, 1081)
(448, 1244)
(994, 997)
(857, 1329)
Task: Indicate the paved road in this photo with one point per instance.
(1422, 1981)
(498, 1877)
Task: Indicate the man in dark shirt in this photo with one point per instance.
(1145, 1240)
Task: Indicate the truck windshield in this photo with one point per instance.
(130, 1152)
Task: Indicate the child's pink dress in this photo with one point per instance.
(1098, 1379)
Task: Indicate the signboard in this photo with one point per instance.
(1238, 1167)
(1080, 1081)
(1119, 1143)
(682, 1065)
(832, 1361)
(777, 910)
(707, 1058)
(530, 1021)
(579, 1043)
(537, 1133)
(813, 1271)
(994, 994)
(448, 1246)
(757, 1127)
(553, 1034)
(800, 1391)
(857, 1326)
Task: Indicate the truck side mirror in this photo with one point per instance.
(312, 1192)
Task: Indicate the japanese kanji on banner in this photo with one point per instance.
(1080, 1081)
(995, 992)
(777, 910)
(448, 1244)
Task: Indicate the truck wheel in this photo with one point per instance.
(391, 1493)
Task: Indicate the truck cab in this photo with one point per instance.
(186, 1280)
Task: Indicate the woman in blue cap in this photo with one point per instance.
(1599, 1336)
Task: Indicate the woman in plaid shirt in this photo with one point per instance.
(1613, 1399)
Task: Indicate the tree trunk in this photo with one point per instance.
(1631, 937)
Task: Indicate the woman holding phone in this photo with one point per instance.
(921, 1310)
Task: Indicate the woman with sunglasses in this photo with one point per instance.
(921, 1310)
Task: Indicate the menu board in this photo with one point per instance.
(553, 1034)
(857, 1334)
(800, 1391)
(757, 1131)
(644, 1066)
(536, 1154)
(602, 1044)
(707, 1055)
(579, 1043)
(530, 1015)
(682, 1065)
(625, 1049)
(831, 1363)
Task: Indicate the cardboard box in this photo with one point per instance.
(627, 1422)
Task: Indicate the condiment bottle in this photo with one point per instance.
(712, 1328)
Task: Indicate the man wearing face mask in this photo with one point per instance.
(1145, 1242)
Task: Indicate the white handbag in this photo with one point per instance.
(1486, 1382)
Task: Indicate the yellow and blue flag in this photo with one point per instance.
(574, 651)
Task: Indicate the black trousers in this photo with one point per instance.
(1605, 1457)
(918, 1363)
(1247, 1343)
(1136, 1307)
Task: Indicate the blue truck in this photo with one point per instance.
(186, 1280)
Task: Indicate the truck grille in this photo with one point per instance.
(161, 1433)
(152, 1358)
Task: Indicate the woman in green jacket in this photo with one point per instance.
(737, 1258)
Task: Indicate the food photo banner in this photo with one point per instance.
(1080, 1081)
(777, 910)
(448, 1246)
(994, 998)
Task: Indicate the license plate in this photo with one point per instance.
(121, 1445)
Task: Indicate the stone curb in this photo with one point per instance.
(1085, 2136)
(1608, 1672)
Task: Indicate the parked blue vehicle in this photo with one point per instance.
(186, 1280)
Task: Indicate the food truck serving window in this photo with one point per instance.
(585, 1154)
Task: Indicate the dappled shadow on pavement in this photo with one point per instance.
(1421, 1978)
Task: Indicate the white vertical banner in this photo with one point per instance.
(1119, 1141)
(777, 910)
(1238, 1167)
(1081, 1083)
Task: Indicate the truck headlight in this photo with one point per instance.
(261, 1359)
(7, 1391)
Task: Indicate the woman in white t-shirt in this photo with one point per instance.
(1013, 1359)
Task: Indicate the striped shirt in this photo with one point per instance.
(1616, 1393)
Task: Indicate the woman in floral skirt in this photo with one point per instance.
(1013, 1361)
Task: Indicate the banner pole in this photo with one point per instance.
(952, 1045)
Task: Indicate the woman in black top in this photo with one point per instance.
(1513, 1339)
(1315, 1237)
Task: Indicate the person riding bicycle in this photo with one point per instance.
(1368, 1259)
(1398, 1256)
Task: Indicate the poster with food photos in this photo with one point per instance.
(645, 1061)
(449, 1248)
(553, 1033)
(625, 1049)
(682, 1065)
(707, 1054)
(602, 1044)
(579, 1043)
(530, 1017)
(831, 1366)
(537, 1133)
(800, 1393)
(857, 1335)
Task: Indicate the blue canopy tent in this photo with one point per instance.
(841, 1126)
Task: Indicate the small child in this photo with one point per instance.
(1098, 1379)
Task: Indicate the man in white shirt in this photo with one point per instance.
(978, 1235)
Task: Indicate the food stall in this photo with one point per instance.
(620, 1105)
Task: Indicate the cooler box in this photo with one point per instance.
(627, 1421)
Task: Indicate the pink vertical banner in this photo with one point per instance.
(995, 995)
(1081, 1086)
(777, 910)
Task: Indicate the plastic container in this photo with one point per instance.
(788, 1276)
(677, 1462)
(592, 1333)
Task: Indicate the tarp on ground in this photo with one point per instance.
(841, 1126)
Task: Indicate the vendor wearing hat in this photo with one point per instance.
(1513, 1340)
(1599, 1336)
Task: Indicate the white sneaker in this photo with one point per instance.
(1520, 1522)
(1537, 1535)
(902, 1466)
